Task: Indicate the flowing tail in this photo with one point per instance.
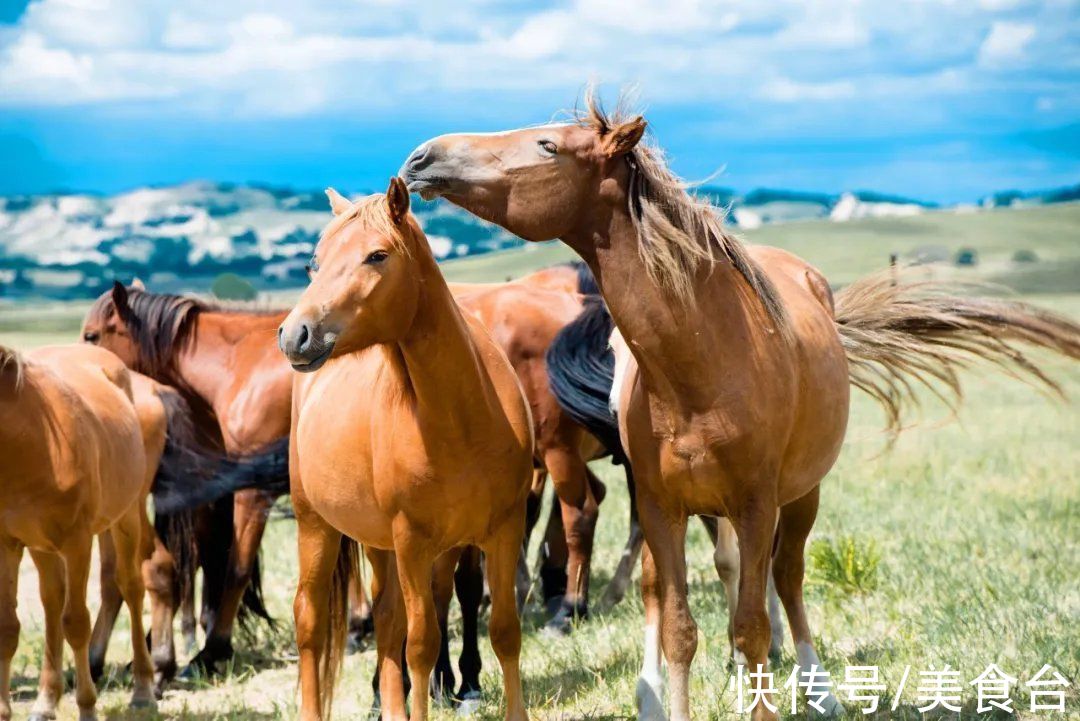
(581, 369)
(900, 335)
(191, 474)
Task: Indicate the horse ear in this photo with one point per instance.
(119, 296)
(338, 203)
(137, 284)
(397, 199)
(622, 138)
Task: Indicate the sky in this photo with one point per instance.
(942, 100)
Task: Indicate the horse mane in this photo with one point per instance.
(11, 361)
(677, 232)
(372, 212)
(161, 324)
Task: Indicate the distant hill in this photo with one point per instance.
(70, 245)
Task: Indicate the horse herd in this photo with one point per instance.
(420, 419)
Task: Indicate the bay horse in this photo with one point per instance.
(74, 467)
(735, 402)
(224, 363)
(414, 437)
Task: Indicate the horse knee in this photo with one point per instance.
(752, 632)
(9, 633)
(505, 634)
(76, 625)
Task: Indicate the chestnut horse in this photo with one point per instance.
(74, 467)
(415, 438)
(735, 403)
(224, 363)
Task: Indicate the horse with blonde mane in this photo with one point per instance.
(735, 399)
(75, 465)
(414, 437)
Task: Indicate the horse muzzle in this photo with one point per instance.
(305, 351)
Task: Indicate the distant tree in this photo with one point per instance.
(230, 286)
(1025, 256)
(967, 257)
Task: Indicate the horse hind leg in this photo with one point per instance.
(469, 585)
(10, 555)
(796, 520)
(620, 582)
(127, 535)
(504, 626)
(442, 581)
(159, 577)
(580, 509)
(51, 583)
(111, 600)
(76, 622)
(361, 625)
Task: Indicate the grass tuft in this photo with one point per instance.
(845, 564)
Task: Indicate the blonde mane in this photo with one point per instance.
(11, 361)
(372, 213)
(677, 232)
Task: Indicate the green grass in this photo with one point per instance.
(974, 523)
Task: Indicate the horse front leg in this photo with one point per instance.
(415, 561)
(504, 627)
(51, 587)
(796, 521)
(665, 534)
(318, 546)
(442, 583)
(469, 585)
(754, 522)
(649, 694)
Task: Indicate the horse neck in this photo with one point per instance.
(439, 362)
(679, 346)
(203, 366)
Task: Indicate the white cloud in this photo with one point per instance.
(278, 57)
(1005, 41)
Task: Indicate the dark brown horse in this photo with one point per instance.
(735, 402)
(225, 364)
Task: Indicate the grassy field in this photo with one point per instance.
(975, 520)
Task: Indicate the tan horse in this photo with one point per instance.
(74, 466)
(735, 403)
(414, 438)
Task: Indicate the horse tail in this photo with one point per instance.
(586, 281)
(899, 335)
(334, 646)
(192, 475)
(253, 602)
(581, 369)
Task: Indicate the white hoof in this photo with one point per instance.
(649, 698)
(831, 705)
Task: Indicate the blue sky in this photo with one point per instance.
(942, 100)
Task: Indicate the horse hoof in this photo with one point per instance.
(649, 700)
(833, 708)
(558, 627)
(469, 703)
(141, 703)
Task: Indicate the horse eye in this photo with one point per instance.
(377, 256)
(548, 146)
(91, 336)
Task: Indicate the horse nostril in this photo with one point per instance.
(281, 337)
(305, 338)
(420, 158)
